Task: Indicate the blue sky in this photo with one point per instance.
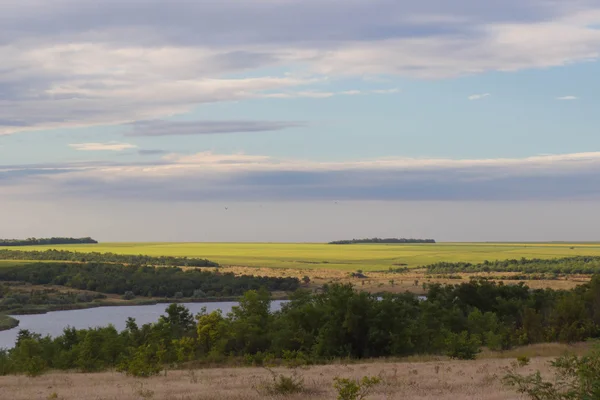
(297, 102)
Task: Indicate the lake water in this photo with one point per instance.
(53, 323)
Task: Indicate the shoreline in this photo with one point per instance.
(7, 320)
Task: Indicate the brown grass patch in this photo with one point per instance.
(418, 378)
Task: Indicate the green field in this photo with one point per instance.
(368, 257)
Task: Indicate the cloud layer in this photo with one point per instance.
(65, 63)
(171, 128)
(240, 177)
(112, 146)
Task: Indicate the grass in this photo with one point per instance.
(368, 257)
(401, 379)
(7, 322)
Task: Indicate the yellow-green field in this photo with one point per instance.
(368, 257)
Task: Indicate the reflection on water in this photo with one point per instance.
(53, 323)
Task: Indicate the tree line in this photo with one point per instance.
(143, 280)
(340, 322)
(46, 241)
(65, 255)
(565, 265)
(380, 240)
(39, 300)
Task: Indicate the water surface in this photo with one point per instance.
(53, 323)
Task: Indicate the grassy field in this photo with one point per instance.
(368, 257)
(412, 379)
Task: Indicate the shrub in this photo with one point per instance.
(282, 384)
(128, 295)
(523, 361)
(353, 389)
(145, 361)
(576, 378)
(462, 346)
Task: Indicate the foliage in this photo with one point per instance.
(145, 361)
(354, 389)
(372, 257)
(523, 361)
(141, 281)
(566, 265)
(577, 378)
(65, 255)
(282, 385)
(378, 240)
(340, 322)
(462, 346)
(46, 241)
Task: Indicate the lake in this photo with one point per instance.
(53, 323)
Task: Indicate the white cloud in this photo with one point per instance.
(64, 65)
(112, 146)
(385, 91)
(242, 177)
(478, 96)
(567, 98)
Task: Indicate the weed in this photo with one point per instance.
(281, 384)
(353, 389)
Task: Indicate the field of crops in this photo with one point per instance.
(368, 257)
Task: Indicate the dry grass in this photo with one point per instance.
(429, 380)
(433, 379)
(381, 281)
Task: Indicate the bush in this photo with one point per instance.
(145, 362)
(523, 361)
(353, 389)
(462, 346)
(128, 295)
(576, 378)
(283, 385)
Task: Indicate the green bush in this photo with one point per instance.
(576, 378)
(281, 385)
(353, 389)
(523, 361)
(462, 346)
(145, 362)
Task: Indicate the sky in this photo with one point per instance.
(300, 120)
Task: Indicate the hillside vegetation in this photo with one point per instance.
(380, 240)
(46, 241)
(367, 257)
(454, 320)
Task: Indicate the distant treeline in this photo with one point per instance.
(64, 255)
(381, 240)
(566, 265)
(143, 280)
(46, 241)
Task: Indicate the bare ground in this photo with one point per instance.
(422, 380)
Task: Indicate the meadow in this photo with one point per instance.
(318, 256)
(422, 378)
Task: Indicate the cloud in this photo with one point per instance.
(171, 128)
(478, 96)
(112, 146)
(567, 98)
(64, 64)
(152, 152)
(239, 177)
(385, 91)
